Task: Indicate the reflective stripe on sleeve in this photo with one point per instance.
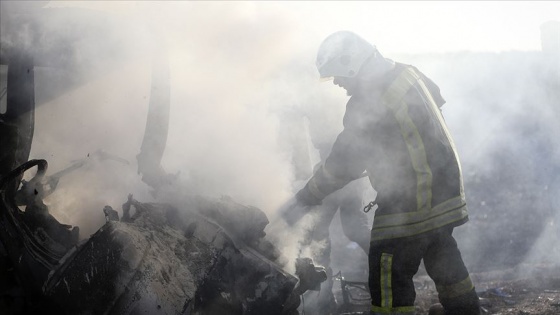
(455, 290)
(325, 178)
(409, 131)
(437, 113)
(314, 189)
(426, 216)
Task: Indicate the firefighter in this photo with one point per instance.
(394, 130)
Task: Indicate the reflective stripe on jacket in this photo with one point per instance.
(395, 131)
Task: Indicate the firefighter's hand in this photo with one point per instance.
(292, 211)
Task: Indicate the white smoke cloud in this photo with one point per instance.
(235, 67)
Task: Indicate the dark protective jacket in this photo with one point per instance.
(395, 131)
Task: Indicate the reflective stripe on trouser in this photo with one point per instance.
(455, 290)
(383, 302)
(393, 264)
(386, 290)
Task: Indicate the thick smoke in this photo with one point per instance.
(504, 120)
(222, 136)
(243, 86)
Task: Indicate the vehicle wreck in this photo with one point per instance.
(203, 257)
(209, 257)
(160, 260)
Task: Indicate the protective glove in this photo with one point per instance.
(292, 211)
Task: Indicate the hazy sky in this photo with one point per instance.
(395, 26)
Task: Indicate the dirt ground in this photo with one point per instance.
(523, 290)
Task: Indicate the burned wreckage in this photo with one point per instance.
(207, 257)
(161, 260)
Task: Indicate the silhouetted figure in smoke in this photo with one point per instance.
(394, 130)
(347, 200)
(310, 128)
(348, 203)
(354, 222)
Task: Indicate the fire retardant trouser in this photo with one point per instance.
(394, 262)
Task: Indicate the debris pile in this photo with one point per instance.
(171, 261)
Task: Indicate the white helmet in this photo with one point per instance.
(342, 54)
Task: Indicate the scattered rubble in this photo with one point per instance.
(524, 290)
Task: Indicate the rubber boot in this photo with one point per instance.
(436, 309)
(466, 304)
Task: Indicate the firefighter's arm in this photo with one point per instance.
(345, 163)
